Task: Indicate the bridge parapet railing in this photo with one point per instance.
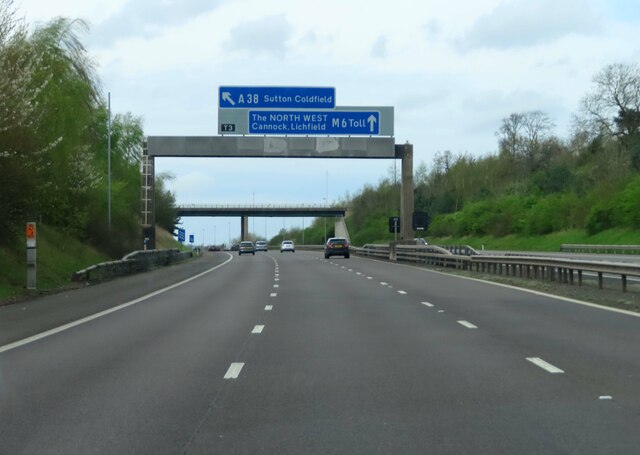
(569, 271)
(260, 206)
(587, 248)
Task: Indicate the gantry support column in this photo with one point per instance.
(147, 202)
(406, 192)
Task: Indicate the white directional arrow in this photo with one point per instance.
(372, 122)
(226, 96)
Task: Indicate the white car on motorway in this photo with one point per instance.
(287, 245)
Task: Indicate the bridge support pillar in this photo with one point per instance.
(244, 228)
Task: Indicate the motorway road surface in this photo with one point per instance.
(295, 354)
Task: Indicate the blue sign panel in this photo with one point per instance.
(315, 122)
(181, 235)
(277, 97)
(191, 238)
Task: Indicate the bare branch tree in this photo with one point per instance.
(615, 102)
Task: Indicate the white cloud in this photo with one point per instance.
(267, 36)
(147, 18)
(523, 23)
(379, 49)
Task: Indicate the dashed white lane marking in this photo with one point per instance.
(268, 307)
(369, 278)
(402, 292)
(276, 285)
(440, 311)
(544, 365)
(467, 324)
(430, 305)
(273, 294)
(258, 329)
(276, 279)
(276, 275)
(342, 267)
(383, 283)
(350, 270)
(358, 273)
(605, 397)
(234, 370)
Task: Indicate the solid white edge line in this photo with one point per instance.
(258, 329)
(467, 324)
(544, 365)
(516, 288)
(62, 328)
(234, 370)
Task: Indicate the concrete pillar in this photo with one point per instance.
(406, 193)
(244, 227)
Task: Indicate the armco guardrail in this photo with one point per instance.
(135, 262)
(568, 271)
(586, 248)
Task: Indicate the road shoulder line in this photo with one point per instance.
(62, 328)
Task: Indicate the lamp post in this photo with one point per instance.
(229, 223)
(214, 236)
(109, 157)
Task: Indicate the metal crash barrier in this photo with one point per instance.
(135, 262)
(569, 271)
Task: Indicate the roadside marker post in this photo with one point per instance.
(31, 256)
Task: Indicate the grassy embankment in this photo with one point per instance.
(549, 242)
(58, 257)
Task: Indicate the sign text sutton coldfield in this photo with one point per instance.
(231, 97)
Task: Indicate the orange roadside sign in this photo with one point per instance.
(31, 230)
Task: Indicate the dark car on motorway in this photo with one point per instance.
(336, 246)
(247, 247)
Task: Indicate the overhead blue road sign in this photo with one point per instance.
(191, 238)
(315, 122)
(181, 235)
(277, 97)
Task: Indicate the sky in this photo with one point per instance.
(451, 70)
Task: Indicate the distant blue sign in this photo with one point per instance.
(191, 238)
(315, 122)
(277, 97)
(181, 235)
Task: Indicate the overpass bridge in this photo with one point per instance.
(244, 211)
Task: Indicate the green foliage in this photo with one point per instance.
(165, 201)
(59, 256)
(53, 143)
